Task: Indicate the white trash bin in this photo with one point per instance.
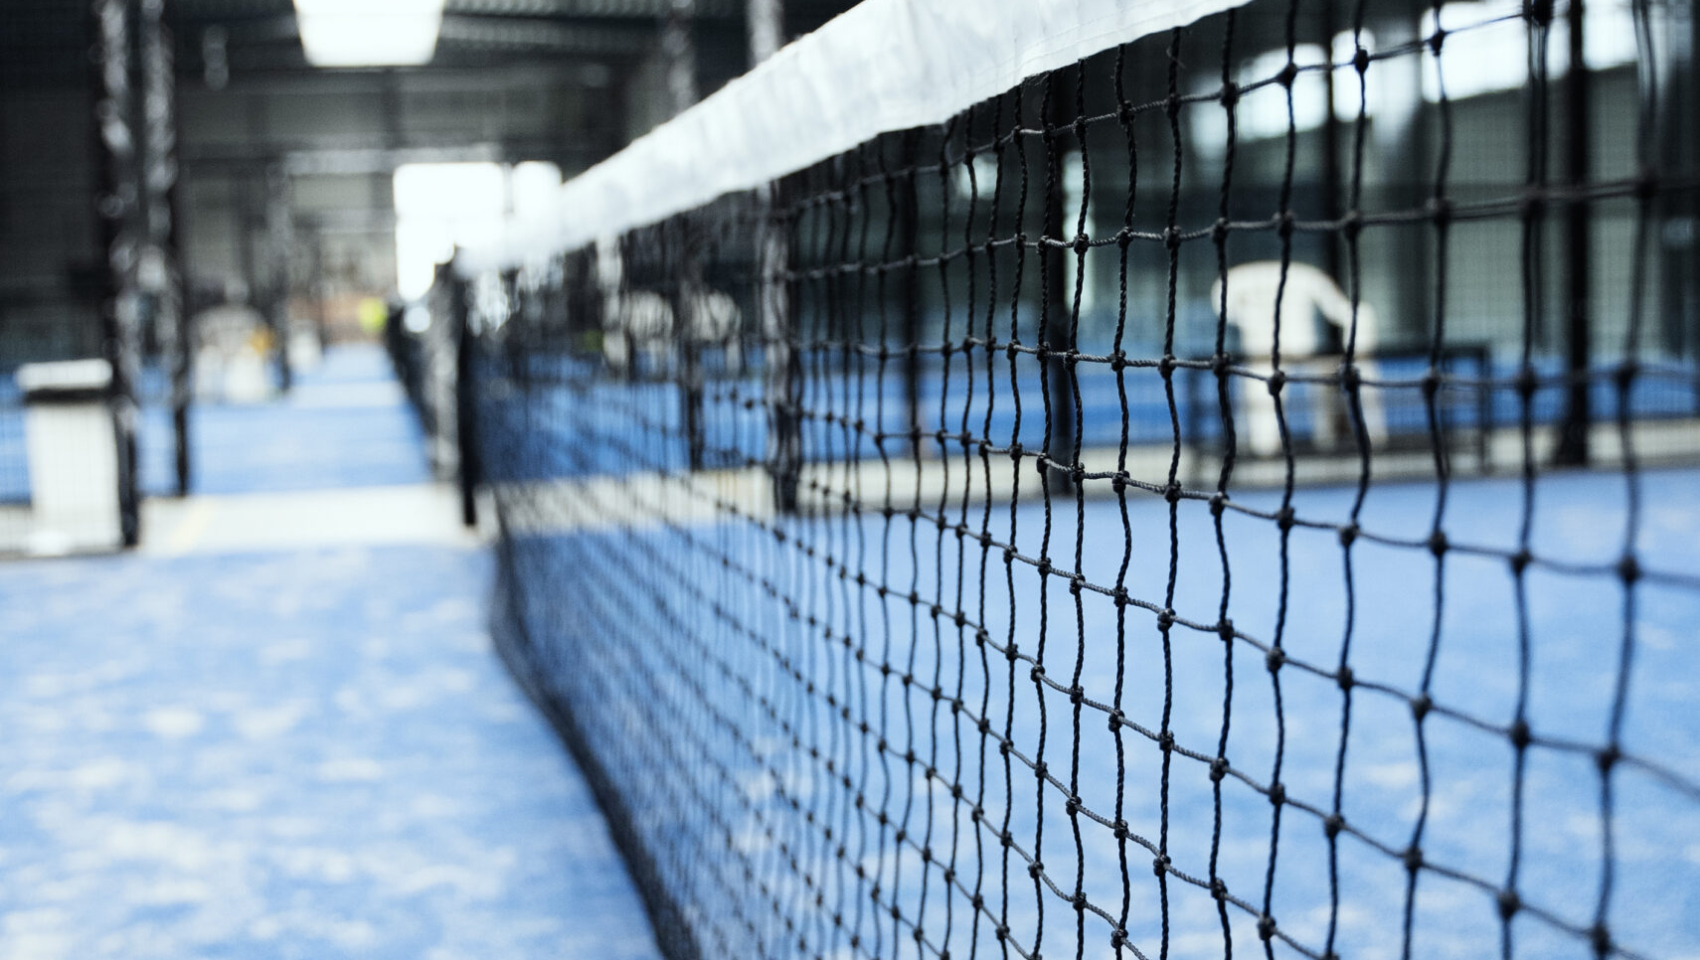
(73, 456)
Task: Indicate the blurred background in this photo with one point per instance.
(210, 193)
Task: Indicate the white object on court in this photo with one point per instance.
(1253, 291)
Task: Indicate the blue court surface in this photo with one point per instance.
(308, 754)
(345, 424)
(636, 587)
(302, 753)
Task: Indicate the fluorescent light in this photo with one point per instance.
(369, 33)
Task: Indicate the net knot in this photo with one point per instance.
(1285, 518)
(1435, 40)
(1218, 503)
(1116, 718)
(1034, 869)
(1352, 224)
(1037, 674)
(1288, 74)
(1082, 243)
(1124, 237)
(1120, 597)
(1118, 361)
(1360, 60)
(1044, 566)
(1626, 373)
(1421, 704)
(1230, 94)
(1284, 224)
(1351, 379)
(1533, 206)
(1520, 561)
(1600, 939)
(1166, 365)
(1275, 659)
(1265, 927)
(1348, 534)
(1440, 211)
(1344, 678)
(1276, 381)
(1172, 237)
(1165, 618)
(1437, 543)
(1124, 112)
(1413, 858)
(1172, 491)
(1075, 584)
(1225, 630)
(1165, 741)
(1629, 569)
(1509, 904)
(1647, 184)
(1015, 451)
(1218, 769)
(1121, 830)
(985, 725)
(1608, 757)
(1012, 349)
(1332, 824)
(1527, 383)
(1218, 889)
(1072, 806)
(1160, 864)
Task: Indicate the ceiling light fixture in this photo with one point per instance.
(369, 33)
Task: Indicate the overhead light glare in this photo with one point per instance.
(369, 33)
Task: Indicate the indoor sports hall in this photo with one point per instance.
(916, 479)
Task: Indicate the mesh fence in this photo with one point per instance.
(1233, 494)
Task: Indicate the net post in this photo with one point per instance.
(1578, 413)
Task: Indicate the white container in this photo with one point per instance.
(73, 456)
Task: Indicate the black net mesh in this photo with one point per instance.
(1230, 495)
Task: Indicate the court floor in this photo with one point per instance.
(279, 731)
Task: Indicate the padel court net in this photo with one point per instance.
(1233, 494)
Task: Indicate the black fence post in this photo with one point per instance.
(687, 298)
(1578, 413)
(783, 365)
(909, 290)
(120, 210)
(1056, 339)
(470, 465)
(161, 179)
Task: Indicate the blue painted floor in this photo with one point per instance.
(344, 425)
(297, 753)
